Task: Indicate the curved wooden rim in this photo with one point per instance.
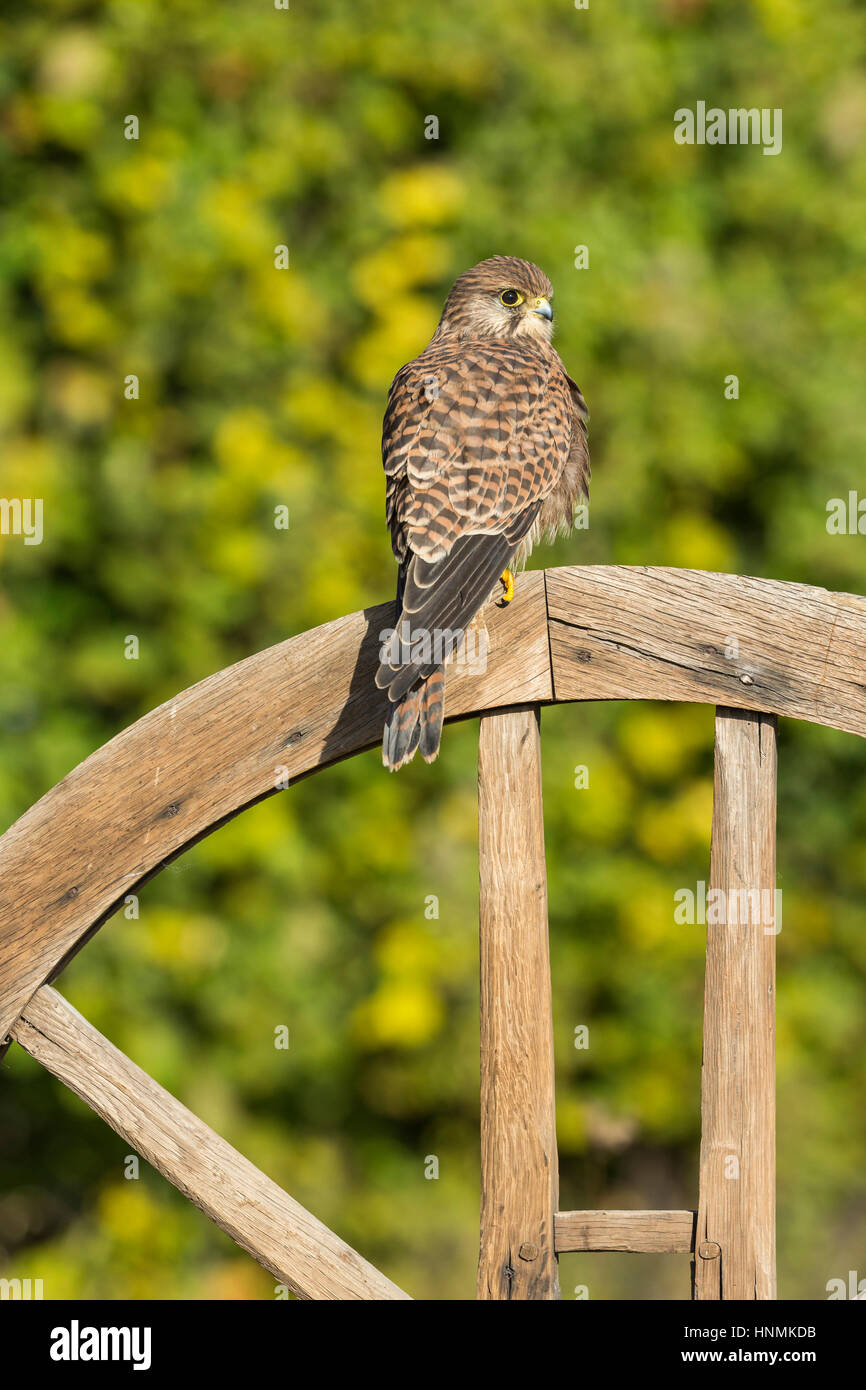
(578, 633)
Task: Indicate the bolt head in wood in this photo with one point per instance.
(709, 1250)
(528, 1251)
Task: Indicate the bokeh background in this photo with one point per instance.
(261, 387)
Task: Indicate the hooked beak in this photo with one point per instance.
(543, 308)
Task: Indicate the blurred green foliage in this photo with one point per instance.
(262, 387)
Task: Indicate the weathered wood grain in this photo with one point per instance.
(618, 633)
(638, 1232)
(571, 634)
(264, 1220)
(519, 1171)
(735, 1252)
(178, 773)
(218, 747)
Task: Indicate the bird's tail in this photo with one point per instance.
(416, 722)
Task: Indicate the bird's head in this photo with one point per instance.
(502, 297)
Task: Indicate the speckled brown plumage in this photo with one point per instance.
(484, 448)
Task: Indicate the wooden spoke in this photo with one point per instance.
(264, 1220)
(519, 1178)
(735, 1254)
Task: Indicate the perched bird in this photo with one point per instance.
(484, 448)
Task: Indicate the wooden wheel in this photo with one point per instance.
(578, 633)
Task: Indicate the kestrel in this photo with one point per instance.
(484, 447)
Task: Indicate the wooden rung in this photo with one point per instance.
(275, 1229)
(634, 1232)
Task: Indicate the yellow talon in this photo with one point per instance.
(507, 578)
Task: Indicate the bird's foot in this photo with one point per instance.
(506, 578)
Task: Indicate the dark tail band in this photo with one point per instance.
(416, 722)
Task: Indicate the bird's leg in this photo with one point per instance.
(506, 578)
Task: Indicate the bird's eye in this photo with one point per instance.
(511, 297)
